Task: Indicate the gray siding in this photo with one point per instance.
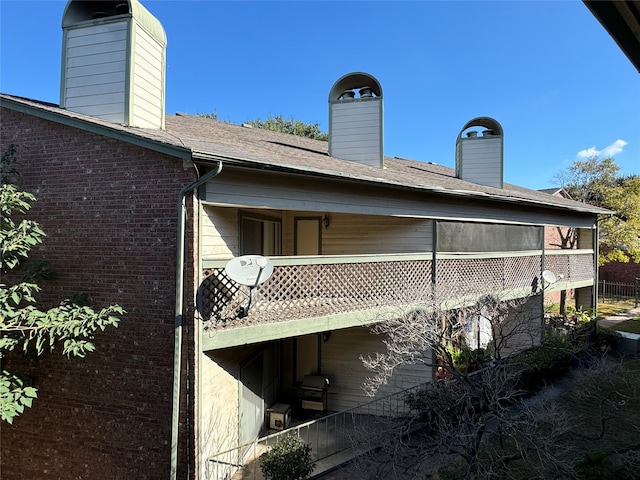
(356, 131)
(584, 298)
(341, 363)
(95, 66)
(480, 160)
(281, 192)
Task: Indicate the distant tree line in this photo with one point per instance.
(280, 124)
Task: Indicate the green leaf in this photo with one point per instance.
(31, 392)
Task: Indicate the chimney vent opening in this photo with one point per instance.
(347, 95)
(365, 92)
(472, 133)
(122, 8)
(488, 133)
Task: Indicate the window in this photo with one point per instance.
(260, 236)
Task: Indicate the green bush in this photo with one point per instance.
(606, 338)
(289, 459)
(542, 363)
(467, 359)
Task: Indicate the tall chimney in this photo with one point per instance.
(113, 62)
(479, 159)
(355, 121)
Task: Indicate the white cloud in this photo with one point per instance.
(613, 149)
(608, 151)
(589, 152)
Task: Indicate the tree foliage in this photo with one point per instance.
(588, 180)
(595, 181)
(290, 126)
(23, 326)
(620, 233)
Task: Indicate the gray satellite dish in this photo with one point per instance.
(250, 270)
(549, 277)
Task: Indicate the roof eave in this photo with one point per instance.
(621, 19)
(206, 157)
(90, 125)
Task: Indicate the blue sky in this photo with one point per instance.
(546, 70)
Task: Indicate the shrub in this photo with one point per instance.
(606, 338)
(542, 363)
(467, 359)
(289, 459)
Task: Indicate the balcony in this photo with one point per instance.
(342, 291)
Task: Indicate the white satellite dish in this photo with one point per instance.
(251, 270)
(549, 277)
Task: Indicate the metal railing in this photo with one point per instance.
(328, 435)
(617, 290)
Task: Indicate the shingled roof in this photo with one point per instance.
(203, 140)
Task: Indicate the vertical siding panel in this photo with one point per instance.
(148, 81)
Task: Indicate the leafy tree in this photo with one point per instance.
(291, 126)
(211, 116)
(588, 180)
(24, 327)
(621, 232)
(596, 182)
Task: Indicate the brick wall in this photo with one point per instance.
(620, 272)
(552, 240)
(109, 211)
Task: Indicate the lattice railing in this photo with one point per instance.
(573, 268)
(457, 277)
(319, 288)
(304, 291)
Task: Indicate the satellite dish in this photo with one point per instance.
(251, 270)
(549, 277)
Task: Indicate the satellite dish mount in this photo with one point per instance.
(249, 270)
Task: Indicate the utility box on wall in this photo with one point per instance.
(279, 416)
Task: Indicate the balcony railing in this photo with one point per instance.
(327, 436)
(306, 287)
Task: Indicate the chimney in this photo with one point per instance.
(113, 62)
(355, 120)
(479, 158)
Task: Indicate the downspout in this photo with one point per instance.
(177, 352)
(596, 254)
